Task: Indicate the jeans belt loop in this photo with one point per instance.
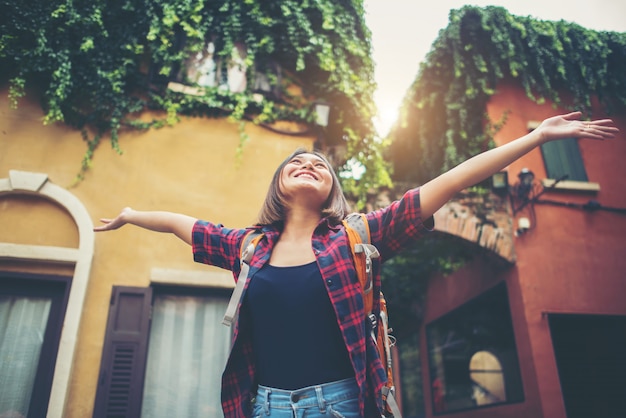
(266, 404)
(320, 399)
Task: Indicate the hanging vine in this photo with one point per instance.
(443, 118)
(99, 65)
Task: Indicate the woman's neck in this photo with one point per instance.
(300, 223)
(293, 247)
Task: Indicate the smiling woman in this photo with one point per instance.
(275, 208)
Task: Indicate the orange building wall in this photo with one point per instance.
(573, 261)
(570, 261)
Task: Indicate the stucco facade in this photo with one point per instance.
(46, 220)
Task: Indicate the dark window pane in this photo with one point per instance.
(563, 157)
(472, 355)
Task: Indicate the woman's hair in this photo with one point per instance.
(274, 210)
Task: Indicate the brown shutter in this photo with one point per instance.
(120, 385)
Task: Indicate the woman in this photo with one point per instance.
(301, 340)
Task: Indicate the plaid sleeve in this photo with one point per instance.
(398, 225)
(216, 245)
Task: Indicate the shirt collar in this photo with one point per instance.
(324, 224)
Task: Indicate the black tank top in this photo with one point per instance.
(296, 338)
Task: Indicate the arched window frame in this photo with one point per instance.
(38, 184)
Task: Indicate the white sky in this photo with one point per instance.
(404, 30)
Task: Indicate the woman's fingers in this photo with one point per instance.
(108, 225)
(598, 129)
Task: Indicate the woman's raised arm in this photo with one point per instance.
(437, 192)
(158, 221)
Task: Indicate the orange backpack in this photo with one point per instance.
(363, 252)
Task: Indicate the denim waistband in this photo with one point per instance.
(312, 396)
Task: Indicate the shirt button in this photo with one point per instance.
(329, 282)
(316, 252)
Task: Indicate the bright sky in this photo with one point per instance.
(404, 30)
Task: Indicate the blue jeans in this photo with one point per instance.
(330, 400)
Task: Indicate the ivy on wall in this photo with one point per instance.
(443, 118)
(98, 65)
(443, 122)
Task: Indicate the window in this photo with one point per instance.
(201, 69)
(487, 377)
(164, 353)
(187, 352)
(562, 158)
(31, 315)
(205, 69)
(472, 355)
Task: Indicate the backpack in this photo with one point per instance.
(363, 252)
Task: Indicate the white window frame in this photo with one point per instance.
(29, 183)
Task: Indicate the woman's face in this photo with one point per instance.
(308, 176)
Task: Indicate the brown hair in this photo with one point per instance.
(273, 211)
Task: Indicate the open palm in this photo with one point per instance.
(570, 125)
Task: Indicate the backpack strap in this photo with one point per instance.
(388, 390)
(388, 395)
(358, 232)
(248, 244)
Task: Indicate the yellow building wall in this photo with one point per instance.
(190, 168)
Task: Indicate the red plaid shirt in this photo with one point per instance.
(392, 229)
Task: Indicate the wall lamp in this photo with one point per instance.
(525, 184)
(523, 192)
(526, 191)
(500, 183)
(520, 193)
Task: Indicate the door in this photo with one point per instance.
(590, 352)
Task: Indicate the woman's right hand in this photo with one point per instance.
(158, 221)
(114, 223)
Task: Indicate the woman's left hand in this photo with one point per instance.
(435, 193)
(570, 126)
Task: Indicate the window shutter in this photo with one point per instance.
(563, 157)
(120, 385)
